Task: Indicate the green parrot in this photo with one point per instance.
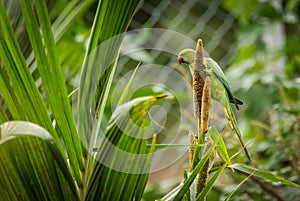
(220, 89)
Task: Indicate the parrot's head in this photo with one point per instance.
(186, 56)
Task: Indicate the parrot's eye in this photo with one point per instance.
(180, 60)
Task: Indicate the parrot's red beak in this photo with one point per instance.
(180, 59)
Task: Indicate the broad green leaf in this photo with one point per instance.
(211, 183)
(262, 174)
(123, 160)
(32, 167)
(53, 80)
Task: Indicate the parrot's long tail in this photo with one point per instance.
(231, 118)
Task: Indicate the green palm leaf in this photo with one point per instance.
(99, 67)
(53, 81)
(32, 167)
(123, 160)
(22, 87)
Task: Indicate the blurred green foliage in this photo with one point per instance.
(266, 71)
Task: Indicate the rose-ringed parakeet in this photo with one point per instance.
(220, 89)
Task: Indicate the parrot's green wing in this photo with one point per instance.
(220, 89)
(217, 71)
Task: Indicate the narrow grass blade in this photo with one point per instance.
(262, 174)
(235, 189)
(126, 89)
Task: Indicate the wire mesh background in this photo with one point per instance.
(196, 19)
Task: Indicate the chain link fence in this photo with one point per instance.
(195, 19)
